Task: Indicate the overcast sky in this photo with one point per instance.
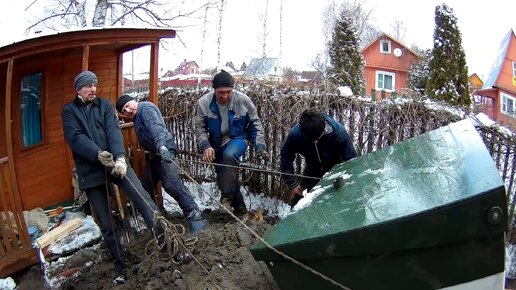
(483, 25)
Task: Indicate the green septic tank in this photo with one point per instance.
(427, 213)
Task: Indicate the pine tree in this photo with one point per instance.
(347, 63)
(448, 79)
(418, 73)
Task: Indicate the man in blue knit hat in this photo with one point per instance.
(91, 130)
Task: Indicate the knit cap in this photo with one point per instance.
(223, 80)
(84, 79)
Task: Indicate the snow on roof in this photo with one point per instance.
(497, 64)
(47, 32)
(187, 77)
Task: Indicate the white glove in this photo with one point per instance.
(120, 167)
(106, 158)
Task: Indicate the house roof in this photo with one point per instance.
(392, 38)
(120, 38)
(497, 64)
(184, 65)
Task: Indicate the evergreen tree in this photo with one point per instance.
(448, 79)
(347, 63)
(418, 73)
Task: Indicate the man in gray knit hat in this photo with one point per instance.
(226, 121)
(91, 130)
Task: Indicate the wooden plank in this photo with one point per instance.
(85, 57)
(153, 75)
(58, 233)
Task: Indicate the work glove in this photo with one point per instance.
(120, 167)
(263, 155)
(166, 156)
(106, 158)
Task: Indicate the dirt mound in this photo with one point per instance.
(221, 261)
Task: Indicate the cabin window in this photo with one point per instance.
(385, 81)
(508, 105)
(385, 46)
(30, 108)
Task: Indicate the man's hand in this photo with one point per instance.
(208, 155)
(106, 158)
(263, 155)
(165, 154)
(296, 191)
(120, 167)
(296, 196)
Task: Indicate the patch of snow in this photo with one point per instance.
(86, 233)
(345, 91)
(272, 206)
(309, 197)
(7, 284)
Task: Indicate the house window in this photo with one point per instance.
(30, 108)
(514, 69)
(385, 46)
(385, 81)
(508, 105)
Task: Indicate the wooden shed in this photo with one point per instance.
(36, 80)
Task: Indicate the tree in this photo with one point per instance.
(347, 63)
(58, 14)
(289, 74)
(418, 73)
(398, 30)
(360, 18)
(448, 80)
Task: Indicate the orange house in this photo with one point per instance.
(387, 62)
(498, 94)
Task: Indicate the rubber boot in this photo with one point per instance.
(196, 222)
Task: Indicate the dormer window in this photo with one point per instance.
(385, 46)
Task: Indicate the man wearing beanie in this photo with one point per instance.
(91, 130)
(154, 137)
(225, 122)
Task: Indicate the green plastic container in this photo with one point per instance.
(427, 213)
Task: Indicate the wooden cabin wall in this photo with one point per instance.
(3, 137)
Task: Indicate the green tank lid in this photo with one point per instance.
(430, 171)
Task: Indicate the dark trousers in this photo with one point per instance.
(168, 173)
(227, 177)
(98, 198)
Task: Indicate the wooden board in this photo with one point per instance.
(58, 233)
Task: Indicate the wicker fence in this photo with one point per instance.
(371, 125)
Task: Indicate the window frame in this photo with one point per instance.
(503, 102)
(389, 46)
(377, 80)
(514, 69)
(17, 114)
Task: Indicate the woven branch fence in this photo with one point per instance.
(371, 125)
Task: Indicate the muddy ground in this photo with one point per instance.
(222, 260)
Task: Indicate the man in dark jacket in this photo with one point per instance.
(91, 130)
(154, 137)
(225, 122)
(322, 141)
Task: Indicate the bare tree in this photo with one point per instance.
(58, 14)
(265, 33)
(219, 36)
(354, 9)
(398, 30)
(281, 35)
